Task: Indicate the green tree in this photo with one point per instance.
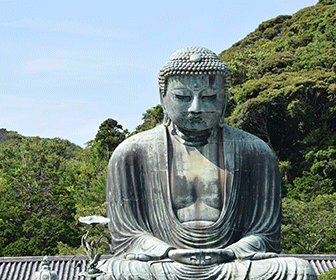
(88, 171)
(329, 275)
(87, 177)
(309, 227)
(36, 206)
(320, 179)
(151, 118)
(108, 137)
(9, 136)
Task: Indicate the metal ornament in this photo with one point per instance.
(91, 248)
(45, 272)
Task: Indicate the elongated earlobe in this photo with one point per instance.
(166, 120)
(221, 122)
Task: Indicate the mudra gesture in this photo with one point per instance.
(194, 198)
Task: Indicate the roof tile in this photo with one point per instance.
(69, 267)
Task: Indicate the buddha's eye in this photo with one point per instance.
(185, 98)
(181, 94)
(209, 97)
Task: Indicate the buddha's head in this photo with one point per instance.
(193, 89)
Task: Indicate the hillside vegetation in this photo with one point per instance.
(283, 90)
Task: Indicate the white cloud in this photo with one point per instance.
(67, 26)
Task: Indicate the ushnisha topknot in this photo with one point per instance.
(193, 61)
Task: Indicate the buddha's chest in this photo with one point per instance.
(195, 183)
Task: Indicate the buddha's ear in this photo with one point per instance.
(227, 81)
(226, 100)
(221, 122)
(166, 119)
(162, 103)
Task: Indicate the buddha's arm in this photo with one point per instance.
(261, 212)
(130, 231)
(251, 247)
(148, 249)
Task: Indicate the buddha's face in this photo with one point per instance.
(195, 103)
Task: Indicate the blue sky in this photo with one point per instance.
(67, 66)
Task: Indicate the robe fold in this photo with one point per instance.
(144, 224)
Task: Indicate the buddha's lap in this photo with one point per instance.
(273, 268)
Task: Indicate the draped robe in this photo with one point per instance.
(144, 224)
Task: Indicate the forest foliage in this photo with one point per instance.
(283, 90)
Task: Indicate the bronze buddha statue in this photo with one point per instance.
(195, 198)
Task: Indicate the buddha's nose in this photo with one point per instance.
(195, 106)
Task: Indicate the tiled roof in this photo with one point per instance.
(24, 268)
(68, 267)
(320, 263)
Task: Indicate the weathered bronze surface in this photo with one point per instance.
(194, 198)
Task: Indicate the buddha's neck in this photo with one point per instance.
(194, 138)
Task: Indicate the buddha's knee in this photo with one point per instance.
(282, 268)
(305, 268)
(119, 268)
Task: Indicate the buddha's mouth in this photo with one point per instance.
(195, 119)
(202, 116)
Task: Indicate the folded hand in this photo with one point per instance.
(201, 256)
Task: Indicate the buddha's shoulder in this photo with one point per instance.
(143, 140)
(232, 134)
(237, 135)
